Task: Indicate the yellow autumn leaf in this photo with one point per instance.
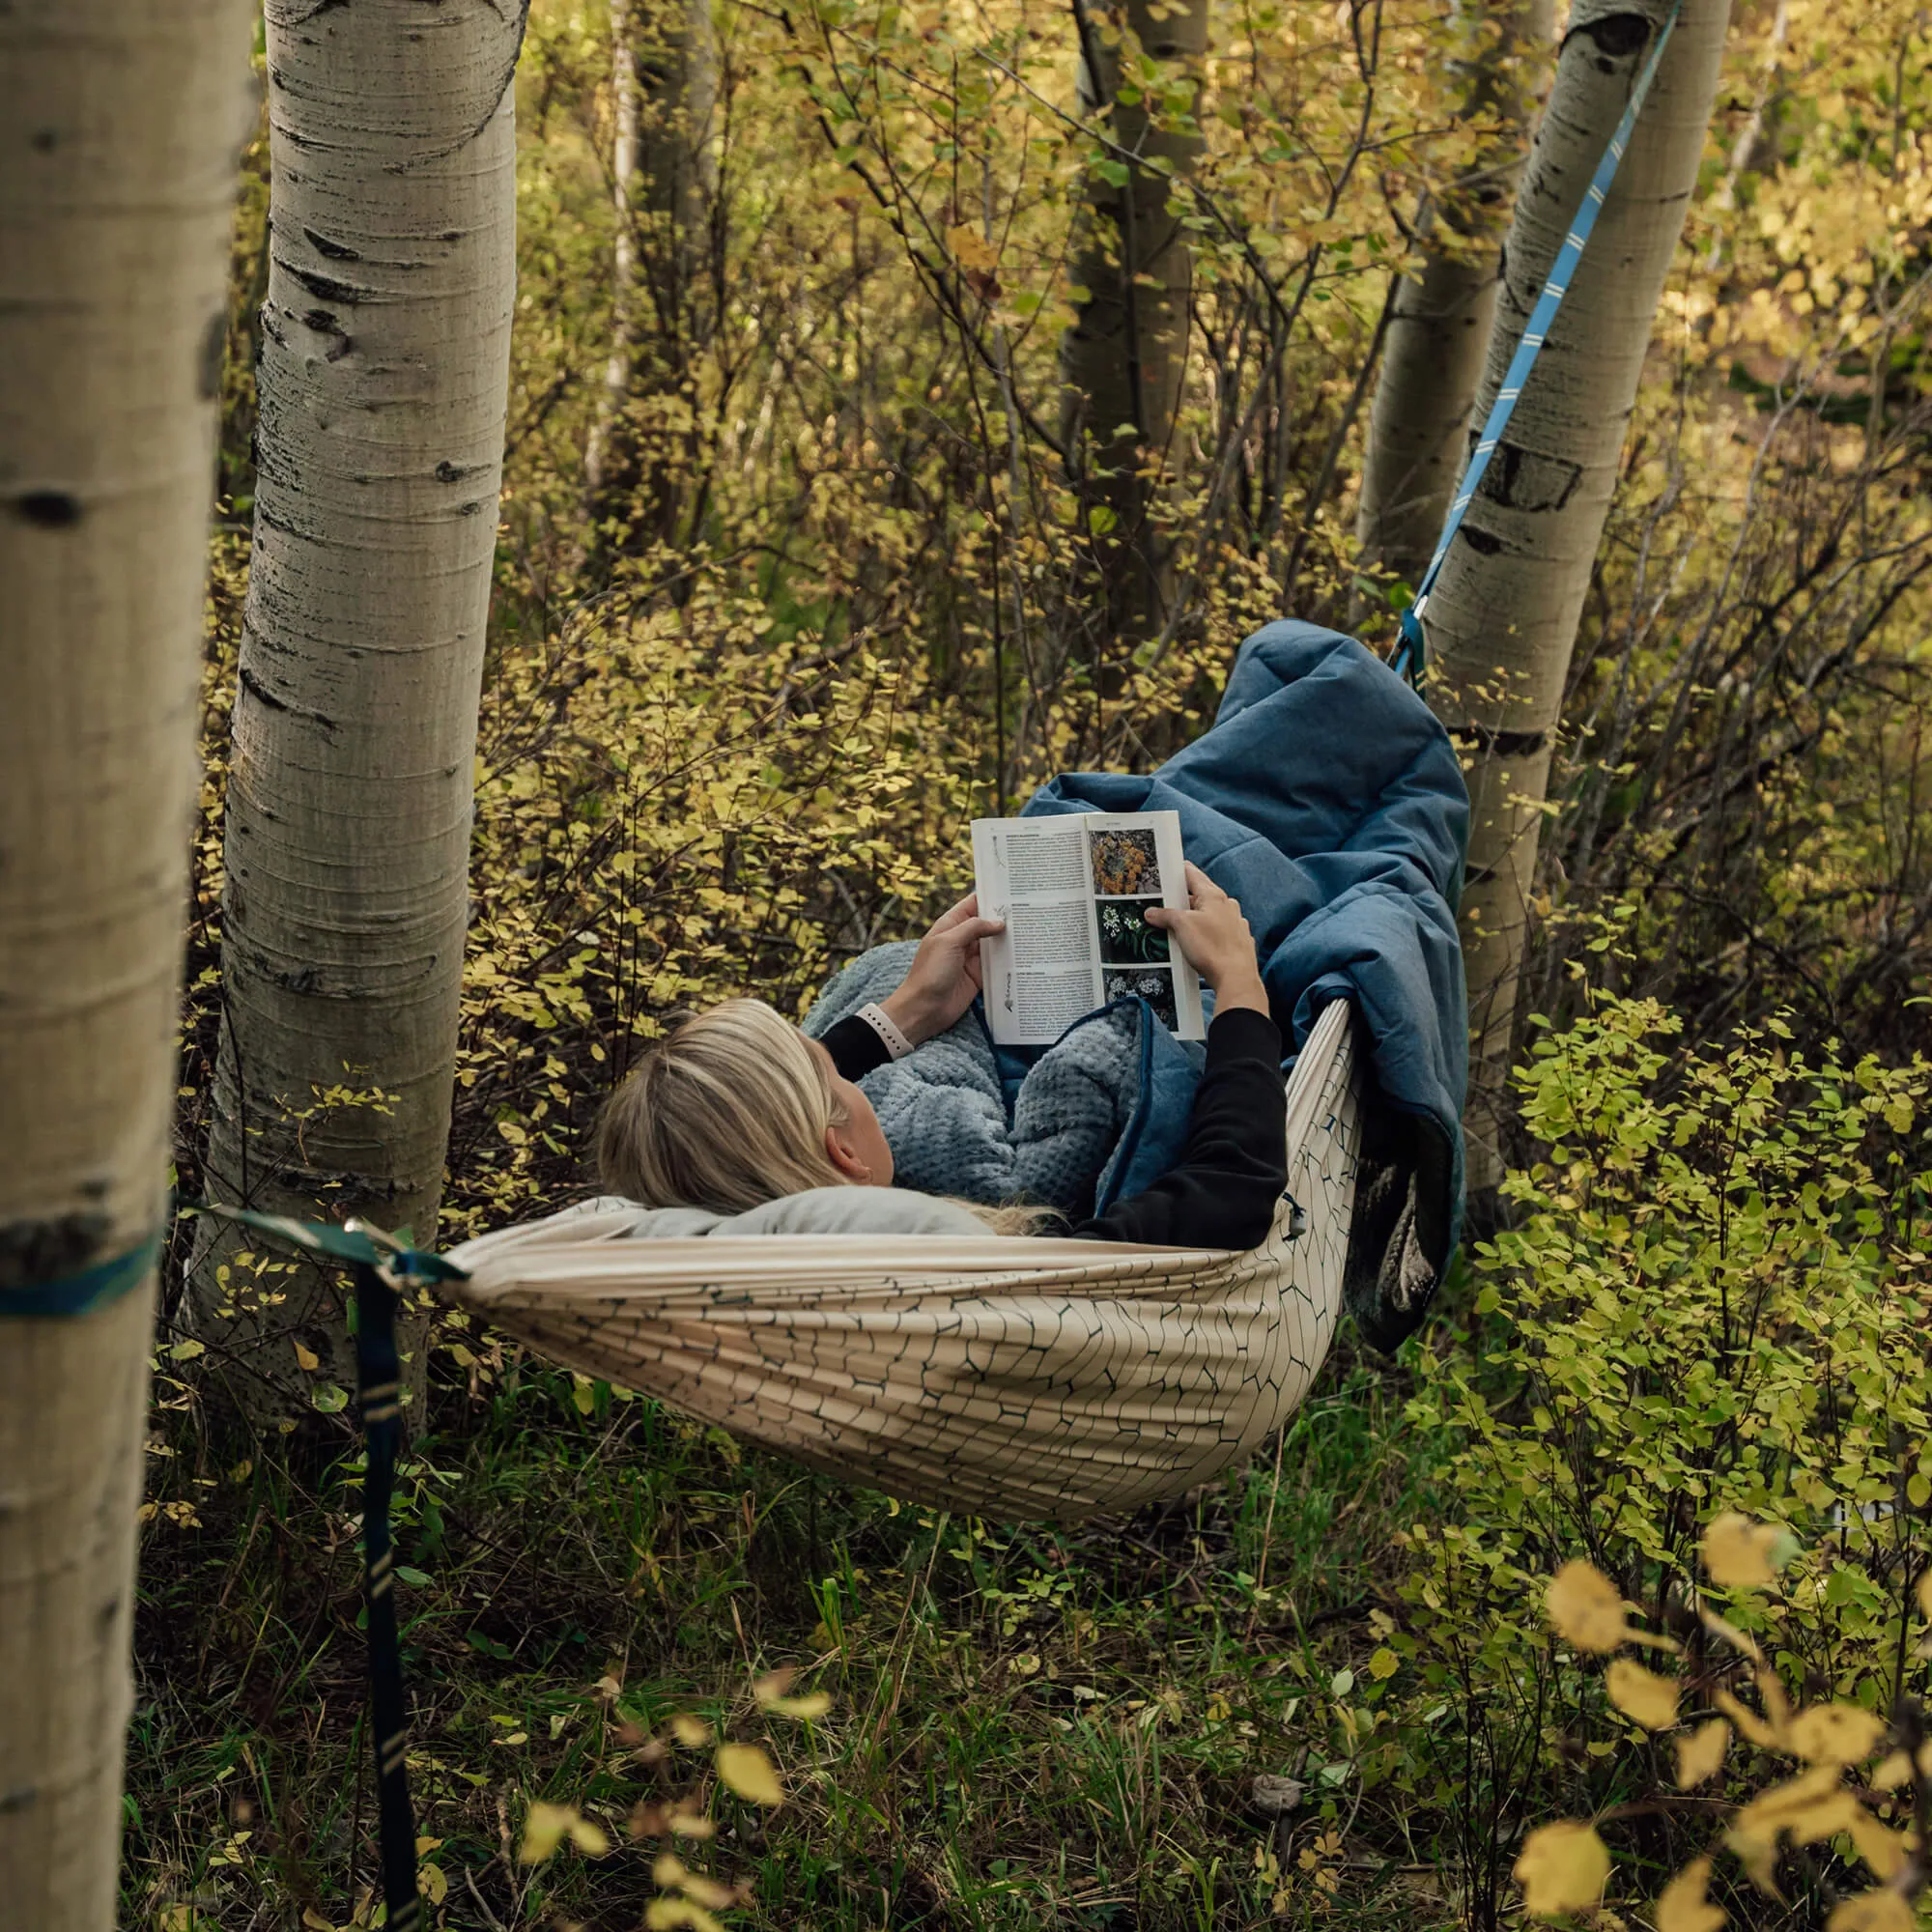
(1737, 1551)
(1749, 1725)
(1701, 1754)
(1924, 1592)
(814, 1704)
(1881, 1911)
(673, 1875)
(1384, 1663)
(1562, 1867)
(1835, 1734)
(746, 1770)
(970, 250)
(543, 1831)
(1879, 1845)
(1894, 1771)
(665, 1914)
(308, 1359)
(1641, 1695)
(690, 1731)
(592, 1840)
(1685, 1905)
(1584, 1608)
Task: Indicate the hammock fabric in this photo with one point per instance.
(1011, 1378)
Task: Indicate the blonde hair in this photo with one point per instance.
(730, 1111)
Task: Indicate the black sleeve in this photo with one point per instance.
(1222, 1191)
(855, 1047)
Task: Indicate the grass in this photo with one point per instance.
(1030, 1727)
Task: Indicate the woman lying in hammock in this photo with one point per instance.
(740, 1115)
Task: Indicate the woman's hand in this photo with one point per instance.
(944, 978)
(1214, 938)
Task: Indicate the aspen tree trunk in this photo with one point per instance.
(664, 85)
(119, 129)
(1124, 362)
(1505, 611)
(382, 386)
(1440, 332)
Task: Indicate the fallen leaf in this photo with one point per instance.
(690, 1731)
(1641, 1695)
(308, 1359)
(1685, 1905)
(1584, 1608)
(1562, 1867)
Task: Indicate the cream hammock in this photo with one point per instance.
(1013, 1377)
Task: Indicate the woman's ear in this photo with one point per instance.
(845, 1156)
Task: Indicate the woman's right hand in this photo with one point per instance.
(1213, 936)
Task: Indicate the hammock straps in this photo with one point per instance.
(378, 1263)
(378, 1386)
(1411, 649)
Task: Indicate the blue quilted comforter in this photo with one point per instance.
(1328, 800)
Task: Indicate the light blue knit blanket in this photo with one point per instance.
(1099, 1116)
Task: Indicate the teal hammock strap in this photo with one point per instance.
(86, 1293)
(1412, 648)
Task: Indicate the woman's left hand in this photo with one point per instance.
(944, 978)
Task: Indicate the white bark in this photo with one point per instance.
(1504, 614)
(119, 128)
(383, 391)
(1438, 333)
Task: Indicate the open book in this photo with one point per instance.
(1074, 891)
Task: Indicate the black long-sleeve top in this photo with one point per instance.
(1222, 1192)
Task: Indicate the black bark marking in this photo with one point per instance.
(325, 288)
(260, 692)
(1480, 541)
(49, 509)
(1617, 35)
(322, 321)
(21, 1797)
(46, 140)
(37, 1251)
(447, 471)
(336, 251)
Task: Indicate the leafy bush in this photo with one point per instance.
(1714, 1300)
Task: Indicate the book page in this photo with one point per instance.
(1043, 973)
(1074, 891)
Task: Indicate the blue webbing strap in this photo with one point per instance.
(1410, 650)
(87, 1291)
(377, 1261)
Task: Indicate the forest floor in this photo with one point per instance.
(1029, 1727)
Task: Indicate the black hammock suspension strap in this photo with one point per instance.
(381, 1263)
(378, 1380)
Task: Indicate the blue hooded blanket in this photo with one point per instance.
(1328, 800)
